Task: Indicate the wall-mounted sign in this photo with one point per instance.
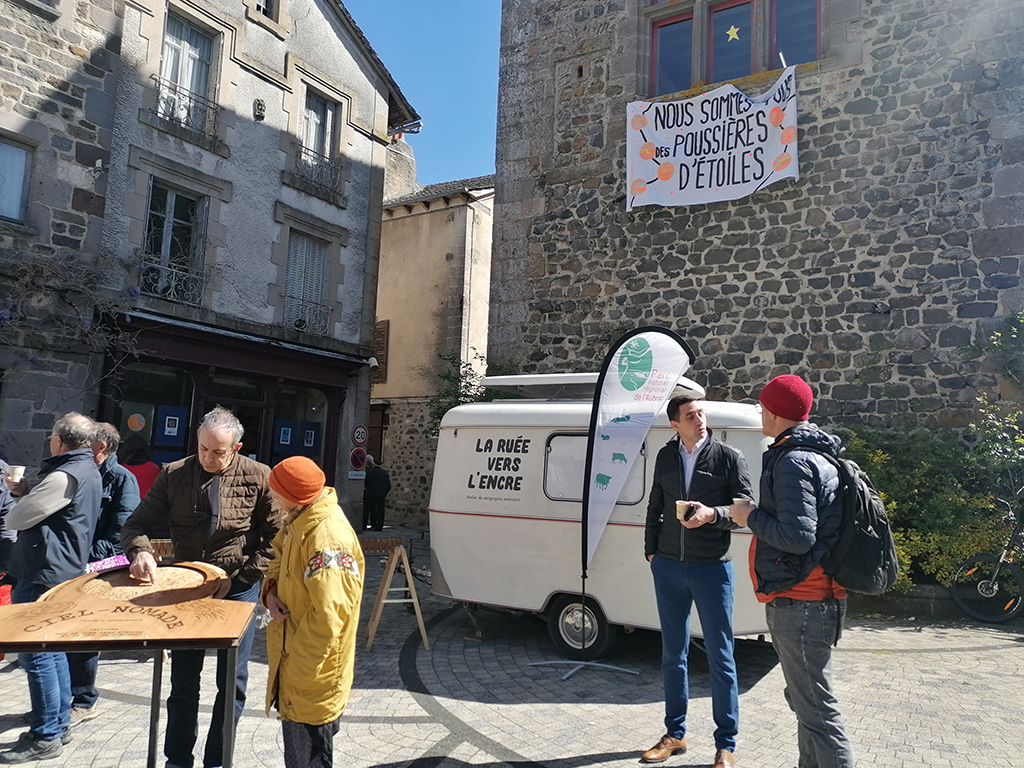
(360, 434)
(357, 458)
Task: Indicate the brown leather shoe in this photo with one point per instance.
(664, 749)
(724, 759)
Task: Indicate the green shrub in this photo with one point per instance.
(939, 494)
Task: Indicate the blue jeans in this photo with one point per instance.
(677, 587)
(49, 682)
(183, 702)
(83, 668)
(803, 633)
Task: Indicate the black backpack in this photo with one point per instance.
(863, 559)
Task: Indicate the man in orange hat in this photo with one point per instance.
(796, 521)
(313, 589)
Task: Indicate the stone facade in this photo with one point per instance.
(409, 451)
(59, 64)
(898, 247)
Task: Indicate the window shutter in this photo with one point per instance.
(296, 265)
(312, 288)
(199, 224)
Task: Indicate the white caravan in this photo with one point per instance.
(505, 510)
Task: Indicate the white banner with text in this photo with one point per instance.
(721, 145)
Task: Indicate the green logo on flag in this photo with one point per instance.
(635, 364)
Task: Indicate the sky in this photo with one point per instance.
(444, 56)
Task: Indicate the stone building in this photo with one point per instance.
(899, 246)
(58, 80)
(432, 300)
(237, 203)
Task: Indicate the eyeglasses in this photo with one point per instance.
(48, 438)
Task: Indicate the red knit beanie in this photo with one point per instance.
(297, 480)
(789, 397)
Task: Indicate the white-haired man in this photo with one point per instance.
(219, 509)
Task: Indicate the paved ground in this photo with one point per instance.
(941, 694)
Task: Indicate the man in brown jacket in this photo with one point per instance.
(219, 509)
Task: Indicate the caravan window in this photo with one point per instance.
(564, 463)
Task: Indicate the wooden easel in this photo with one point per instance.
(397, 550)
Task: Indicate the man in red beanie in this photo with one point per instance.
(313, 589)
(796, 520)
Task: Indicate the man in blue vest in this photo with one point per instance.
(55, 523)
(120, 498)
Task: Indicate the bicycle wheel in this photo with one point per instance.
(985, 593)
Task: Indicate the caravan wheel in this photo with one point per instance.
(569, 628)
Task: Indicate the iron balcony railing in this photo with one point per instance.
(319, 169)
(168, 281)
(189, 109)
(307, 316)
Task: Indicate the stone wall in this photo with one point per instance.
(900, 244)
(58, 71)
(409, 451)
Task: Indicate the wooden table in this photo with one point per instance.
(112, 611)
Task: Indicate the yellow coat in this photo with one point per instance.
(318, 567)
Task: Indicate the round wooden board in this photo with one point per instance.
(178, 583)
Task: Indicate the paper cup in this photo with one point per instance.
(15, 473)
(740, 500)
(681, 509)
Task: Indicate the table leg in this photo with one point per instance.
(229, 705)
(154, 707)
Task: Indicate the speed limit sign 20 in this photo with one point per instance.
(360, 434)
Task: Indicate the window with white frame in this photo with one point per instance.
(724, 34)
(174, 244)
(185, 76)
(304, 277)
(316, 162)
(318, 126)
(268, 8)
(14, 167)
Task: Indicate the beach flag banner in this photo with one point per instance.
(634, 386)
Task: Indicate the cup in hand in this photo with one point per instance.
(15, 473)
(685, 510)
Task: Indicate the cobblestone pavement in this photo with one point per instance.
(914, 694)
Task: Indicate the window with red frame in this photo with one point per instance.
(739, 37)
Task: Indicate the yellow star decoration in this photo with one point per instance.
(733, 33)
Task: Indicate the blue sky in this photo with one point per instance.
(444, 56)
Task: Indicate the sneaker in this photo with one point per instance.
(29, 748)
(65, 737)
(81, 714)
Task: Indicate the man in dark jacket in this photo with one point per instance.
(375, 491)
(220, 512)
(797, 519)
(55, 523)
(7, 536)
(690, 562)
(120, 498)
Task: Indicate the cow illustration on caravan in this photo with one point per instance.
(506, 505)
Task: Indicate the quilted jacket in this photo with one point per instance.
(799, 510)
(318, 569)
(248, 521)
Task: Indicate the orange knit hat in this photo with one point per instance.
(297, 480)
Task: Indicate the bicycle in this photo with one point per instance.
(990, 588)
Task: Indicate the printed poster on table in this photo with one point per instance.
(721, 145)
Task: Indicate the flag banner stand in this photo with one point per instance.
(636, 382)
